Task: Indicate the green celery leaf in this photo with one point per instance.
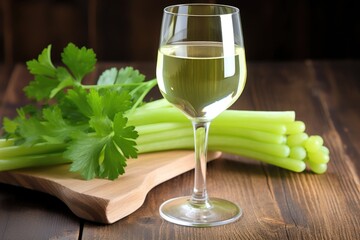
(108, 77)
(79, 61)
(121, 77)
(44, 76)
(65, 80)
(75, 105)
(31, 130)
(101, 125)
(103, 156)
(113, 163)
(43, 65)
(57, 129)
(115, 140)
(129, 75)
(124, 136)
(106, 102)
(28, 110)
(85, 153)
(120, 147)
(50, 127)
(127, 79)
(95, 102)
(41, 87)
(10, 126)
(49, 81)
(114, 102)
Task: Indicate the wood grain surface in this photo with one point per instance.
(101, 200)
(277, 204)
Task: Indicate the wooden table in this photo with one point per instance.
(277, 204)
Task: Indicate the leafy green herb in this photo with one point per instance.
(89, 119)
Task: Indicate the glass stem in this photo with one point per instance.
(199, 197)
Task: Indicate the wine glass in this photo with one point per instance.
(201, 70)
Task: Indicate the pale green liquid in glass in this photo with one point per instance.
(198, 79)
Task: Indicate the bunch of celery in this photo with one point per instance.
(273, 137)
(97, 128)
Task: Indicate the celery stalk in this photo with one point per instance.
(161, 129)
(41, 148)
(187, 143)
(218, 141)
(153, 115)
(6, 142)
(174, 134)
(257, 116)
(167, 144)
(32, 161)
(295, 127)
(234, 119)
(287, 163)
(169, 141)
(256, 135)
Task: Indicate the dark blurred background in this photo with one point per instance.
(129, 30)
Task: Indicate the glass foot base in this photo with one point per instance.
(217, 212)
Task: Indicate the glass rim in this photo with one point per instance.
(168, 11)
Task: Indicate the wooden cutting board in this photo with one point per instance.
(101, 200)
